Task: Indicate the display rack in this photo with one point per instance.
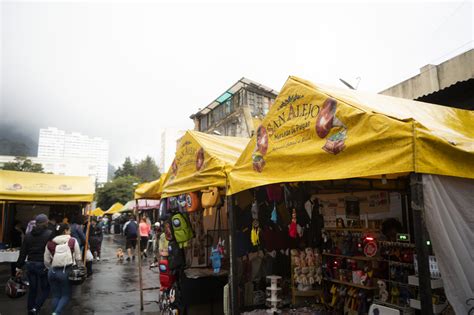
(273, 289)
(295, 293)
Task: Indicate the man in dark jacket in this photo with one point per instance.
(77, 231)
(33, 248)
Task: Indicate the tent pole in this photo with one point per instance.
(139, 256)
(421, 238)
(3, 221)
(233, 277)
(86, 245)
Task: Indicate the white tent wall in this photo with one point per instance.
(449, 217)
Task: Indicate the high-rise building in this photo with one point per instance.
(73, 154)
(169, 142)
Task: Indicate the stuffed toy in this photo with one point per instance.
(216, 259)
(296, 261)
(395, 294)
(383, 293)
(310, 259)
(303, 259)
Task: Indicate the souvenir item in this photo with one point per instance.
(182, 229)
(192, 201)
(255, 233)
(274, 214)
(216, 259)
(293, 229)
(383, 293)
(274, 192)
(210, 197)
(166, 277)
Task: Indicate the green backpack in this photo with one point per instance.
(182, 229)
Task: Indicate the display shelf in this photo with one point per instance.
(401, 244)
(350, 229)
(437, 308)
(403, 284)
(352, 257)
(405, 310)
(360, 286)
(307, 293)
(397, 263)
(435, 283)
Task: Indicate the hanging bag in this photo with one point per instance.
(192, 202)
(182, 229)
(210, 198)
(166, 277)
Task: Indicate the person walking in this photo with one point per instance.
(77, 232)
(130, 229)
(144, 234)
(95, 238)
(59, 256)
(32, 250)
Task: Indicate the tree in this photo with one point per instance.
(127, 169)
(121, 189)
(23, 164)
(147, 170)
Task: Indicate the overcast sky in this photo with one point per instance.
(125, 71)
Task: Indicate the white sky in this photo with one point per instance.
(124, 71)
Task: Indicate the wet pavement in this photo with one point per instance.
(112, 289)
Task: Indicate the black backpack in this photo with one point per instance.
(176, 259)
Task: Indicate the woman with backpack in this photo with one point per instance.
(59, 256)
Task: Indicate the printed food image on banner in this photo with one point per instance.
(327, 121)
(199, 159)
(262, 140)
(258, 162)
(174, 167)
(261, 148)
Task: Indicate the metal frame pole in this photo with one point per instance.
(233, 276)
(421, 237)
(139, 256)
(86, 245)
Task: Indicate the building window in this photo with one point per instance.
(236, 99)
(228, 106)
(251, 98)
(203, 123)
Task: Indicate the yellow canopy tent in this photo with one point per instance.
(24, 186)
(314, 133)
(116, 207)
(151, 190)
(97, 212)
(202, 161)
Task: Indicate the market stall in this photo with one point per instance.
(331, 174)
(24, 195)
(97, 212)
(116, 207)
(193, 190)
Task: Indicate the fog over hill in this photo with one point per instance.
(18, 141)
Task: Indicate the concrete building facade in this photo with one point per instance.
(450, 83)
(73, 153)
(238, 111)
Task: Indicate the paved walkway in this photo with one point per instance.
(113, 289)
